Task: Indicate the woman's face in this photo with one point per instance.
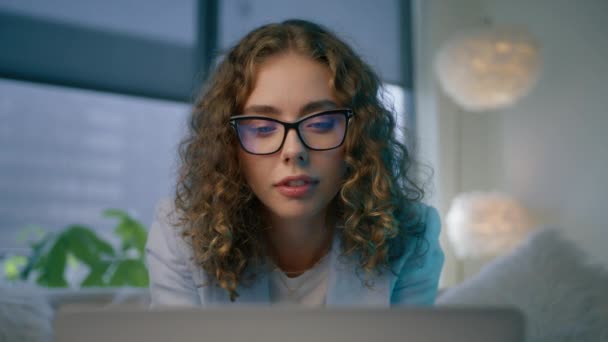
(287, 87)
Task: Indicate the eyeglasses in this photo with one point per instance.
(318, 132)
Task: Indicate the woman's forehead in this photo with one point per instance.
(289, 83)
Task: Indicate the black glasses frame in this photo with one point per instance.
(348, 113)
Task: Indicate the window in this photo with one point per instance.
(67, 154)
(399, 100)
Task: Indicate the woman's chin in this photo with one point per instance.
(294, 211)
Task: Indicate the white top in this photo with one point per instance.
(308, 289)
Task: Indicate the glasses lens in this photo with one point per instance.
(324, 131)
(260, 136)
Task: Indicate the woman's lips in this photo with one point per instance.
(296, 191)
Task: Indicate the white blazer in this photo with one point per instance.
(176, 281)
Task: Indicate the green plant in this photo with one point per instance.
(108, 266)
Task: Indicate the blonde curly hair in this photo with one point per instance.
(219, 213)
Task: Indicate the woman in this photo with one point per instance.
(292, 187)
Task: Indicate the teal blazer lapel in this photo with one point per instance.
(257, 293)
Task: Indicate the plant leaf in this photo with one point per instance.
(132, 233)
(95, 278)
(85, 245)
(12, 266)
(38, 254)
(53, 268)
(130, 272)
(118, 213)
(30, 231)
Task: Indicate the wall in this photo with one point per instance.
(549, 150)
(554, 144)
(437, 118)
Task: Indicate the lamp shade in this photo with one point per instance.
(488, 69)
(486, 224)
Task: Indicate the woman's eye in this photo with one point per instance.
(322, 124)
(264, 130)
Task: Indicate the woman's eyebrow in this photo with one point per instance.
(310, 107)
(317, 106)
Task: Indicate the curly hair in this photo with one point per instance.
(216, 208)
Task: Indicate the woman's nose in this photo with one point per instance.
(293, 148)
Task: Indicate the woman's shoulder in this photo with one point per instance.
(426, 211)
(164, 210)
(165, 230)
(425, 220)
(431, 219)
(422, 235)
(173, 279)
(418, 270)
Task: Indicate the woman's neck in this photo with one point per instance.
(296, 245)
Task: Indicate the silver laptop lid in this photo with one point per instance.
(286, 324)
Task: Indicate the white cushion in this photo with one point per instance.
(547, 279)
(25, 315)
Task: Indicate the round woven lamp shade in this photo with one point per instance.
(486, 224)
(488, 69)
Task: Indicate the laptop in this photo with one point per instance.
(290, 324)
